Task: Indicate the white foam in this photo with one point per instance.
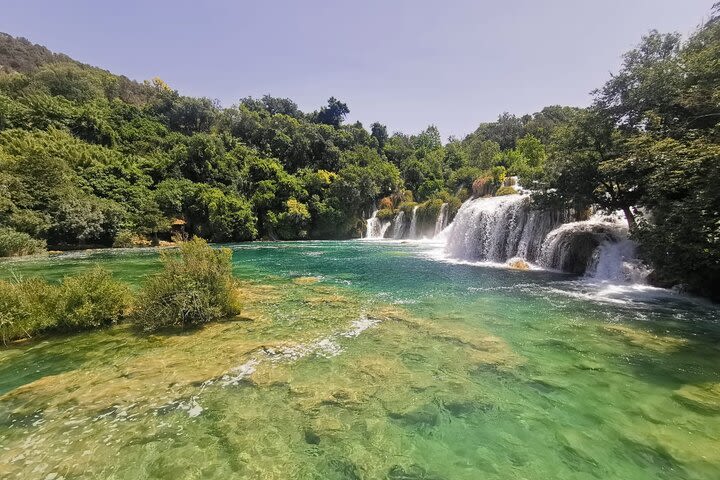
(237, 374)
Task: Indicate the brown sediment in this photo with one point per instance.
(480, 346)
(253, 292)
(704, 398)
(305, 280)
(164, 371)
(519, 264)
(645, 339)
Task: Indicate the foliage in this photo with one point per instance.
(87, 300)
(292, 223)
(20, 55)
(124, 239)
(498, 174)
(505, 191)
(194, 287)
(14, 243)
(334, 113)
(649, 147)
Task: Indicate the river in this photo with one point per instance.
(373, 360)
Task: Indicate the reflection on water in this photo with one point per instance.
(374, 360)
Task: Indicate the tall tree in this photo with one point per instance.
(379, 132)
(334, 113)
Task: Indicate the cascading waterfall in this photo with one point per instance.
(375, 227)
(598, 247)
(413, 223)
(498, 229)
(571, 246)
(441, 221)
(617, 261)
(398, 226)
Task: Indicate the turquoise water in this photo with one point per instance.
(359, 360)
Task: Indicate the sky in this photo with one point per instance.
(406, 64)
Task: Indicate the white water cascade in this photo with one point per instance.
(498, 229)
(413, 223)
(598, 247)
(441, 221)
(617, 261)
(398, 226)
(375, 227)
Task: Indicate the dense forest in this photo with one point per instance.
(91, 158)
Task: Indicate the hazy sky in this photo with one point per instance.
(407, 64)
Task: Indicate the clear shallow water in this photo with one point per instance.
(374, 360)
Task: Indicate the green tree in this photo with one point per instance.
(334, 113)
(379, 132)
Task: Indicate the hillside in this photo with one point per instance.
(21, 55)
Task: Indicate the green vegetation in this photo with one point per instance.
(505, 191)
(193, 288)
(650, 146)
(124, 239)
(89, 300)
(91, 158)
(18, 243)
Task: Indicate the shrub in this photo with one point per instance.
(90, 300)
(386, 214)
(386, 203)
(124, 239)
(407, 207)
(17, 243)
(428, 212)
(193, 288)
(498, 174)
(463, 194)
(505, 191)
(26, 307)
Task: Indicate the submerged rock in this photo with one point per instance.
(645, 339)
(519, 264)
(305, 280)
(703, 398)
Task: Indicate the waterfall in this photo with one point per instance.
(413, 224)
(498, 229)
(398, 226)
(617, 261)
(571, 246)
(598, 247)
(375, 228)
(441, 221)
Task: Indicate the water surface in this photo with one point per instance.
(357, 360)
